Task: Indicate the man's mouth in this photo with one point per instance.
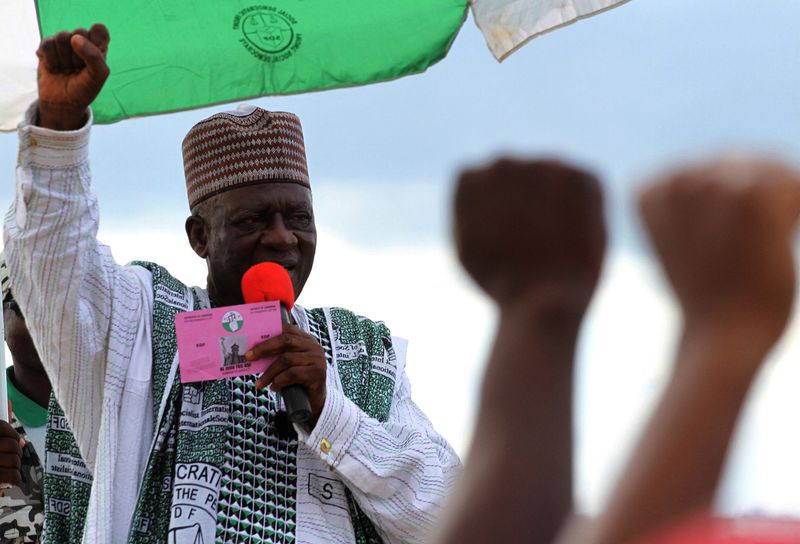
(288, 265)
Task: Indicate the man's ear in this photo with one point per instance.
(197, 231)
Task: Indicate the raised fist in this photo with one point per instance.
(530, 230)
(723, 232)
(72, 70)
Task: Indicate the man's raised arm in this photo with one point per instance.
(532, 235)
(723, 233)
(66, 283)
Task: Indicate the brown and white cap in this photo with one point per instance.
(243, 147)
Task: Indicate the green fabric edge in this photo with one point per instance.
(25, 409)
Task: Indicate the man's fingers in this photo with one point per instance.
(7, 431)
(278, 366)
(92, 56)
(282, 363)
(273, 346)
(292, 339)
(11, 476)
(769, 185)
(47, 52)
(10, 446)
(10, 461)
(296, 375)
(786, 194)
(64, 51)
(77, 62)
(100, 37)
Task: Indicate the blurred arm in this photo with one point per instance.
(723, 233)
(532, 235)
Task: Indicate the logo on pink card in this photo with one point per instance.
(212, 343)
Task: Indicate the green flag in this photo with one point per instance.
(168, 55)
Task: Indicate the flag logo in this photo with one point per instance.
(267, 33)
(232, 321)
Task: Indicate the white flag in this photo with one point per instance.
(18, 43)
(507, 25)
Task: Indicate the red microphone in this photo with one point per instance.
(268, 282)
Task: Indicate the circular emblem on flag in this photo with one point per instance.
(232, 321)
(267, 32)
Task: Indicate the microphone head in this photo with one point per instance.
(268, 281)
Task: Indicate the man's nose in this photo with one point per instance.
(277, 235)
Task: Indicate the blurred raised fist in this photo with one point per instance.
(72, 70)
(723, 232)
(531, 230)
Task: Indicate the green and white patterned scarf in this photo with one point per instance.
(191, 431)
(67, 481)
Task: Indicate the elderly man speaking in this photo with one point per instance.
(209, 461)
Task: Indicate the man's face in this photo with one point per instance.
(271, 222)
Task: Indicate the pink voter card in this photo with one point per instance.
(212, 343)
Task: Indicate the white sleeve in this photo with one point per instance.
(82, 309)
(400, 471)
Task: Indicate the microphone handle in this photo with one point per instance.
(295, 397)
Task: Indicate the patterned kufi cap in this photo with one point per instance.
(243, 147)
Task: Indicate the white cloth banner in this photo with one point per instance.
(507, 25)
(18, 43)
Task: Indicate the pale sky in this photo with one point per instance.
(625, 93)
